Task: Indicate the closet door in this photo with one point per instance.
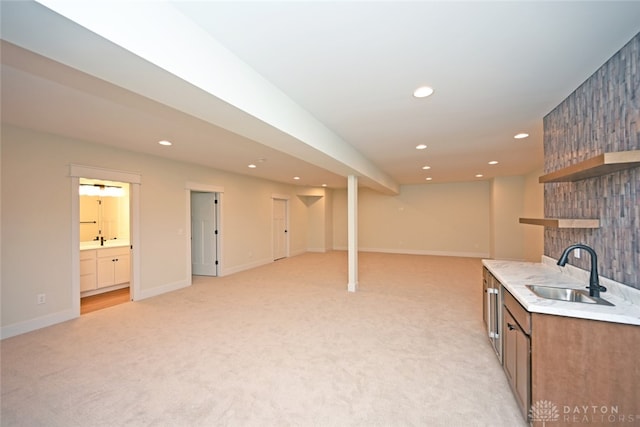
(204, 254)
(280, 236)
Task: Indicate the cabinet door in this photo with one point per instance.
(523, 369)
(510, 358)
(105, 272)
(121, 269)
(516, 360)
(88, 281)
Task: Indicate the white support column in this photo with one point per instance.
(352, 231)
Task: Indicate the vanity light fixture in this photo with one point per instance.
(421, 146)
(252, 166)
(428, 178)
(479, 175)
(493, 162)
(100, 190)
(423, 92)
(165, 143)
(296, 178)
(521, 135)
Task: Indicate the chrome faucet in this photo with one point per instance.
(594, 283)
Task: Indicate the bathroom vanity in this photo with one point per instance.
(104, 268)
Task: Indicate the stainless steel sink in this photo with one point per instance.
(566, 294)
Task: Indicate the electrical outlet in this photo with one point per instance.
(576, 253)
(41, 298)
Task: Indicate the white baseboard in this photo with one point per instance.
(420, 252)
(317, 250)
(159, 290)
(37, 323)
(248, 266)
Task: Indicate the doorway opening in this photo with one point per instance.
(205, 243)
(105, 243)
(133, 180)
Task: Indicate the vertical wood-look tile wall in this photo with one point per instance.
(602, 115)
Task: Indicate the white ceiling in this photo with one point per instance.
(318, 89)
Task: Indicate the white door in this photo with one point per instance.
(204, 234)
(279, 228)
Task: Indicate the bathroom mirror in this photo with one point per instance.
(104, 210)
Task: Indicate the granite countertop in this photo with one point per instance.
(95, 244)
(515, 275)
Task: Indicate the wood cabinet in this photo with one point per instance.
(516, 354)
(588, 369)
(104, 268)
(113, 266)
(570, 371)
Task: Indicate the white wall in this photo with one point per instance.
(507, 201)
(532, 235)
(439, 219)
(320, 215)
(36, 221)
(442, 219)
(512, 198)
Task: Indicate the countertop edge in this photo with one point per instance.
(514, 275)
(121, 244)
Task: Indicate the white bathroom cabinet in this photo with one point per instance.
(87, 270)
(104, 268)
(112, 266)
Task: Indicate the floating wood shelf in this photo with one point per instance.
(596, 166)
(562, 222)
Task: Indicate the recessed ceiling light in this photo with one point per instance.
(428, 178)
(421, 146)
(296, 178)
(324, 185)
(493, 162)
(426, 167)
(252, 166)
(521, 135)
(479, 175)
(164, 142)
(422, 92)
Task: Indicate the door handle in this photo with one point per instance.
(511, 327)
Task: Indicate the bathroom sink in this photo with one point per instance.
(566, 294)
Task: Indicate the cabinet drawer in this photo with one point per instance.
(88, 255)
(520, 315)
(110, 252)
(87, 266)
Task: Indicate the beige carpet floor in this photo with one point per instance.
(280, 345)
